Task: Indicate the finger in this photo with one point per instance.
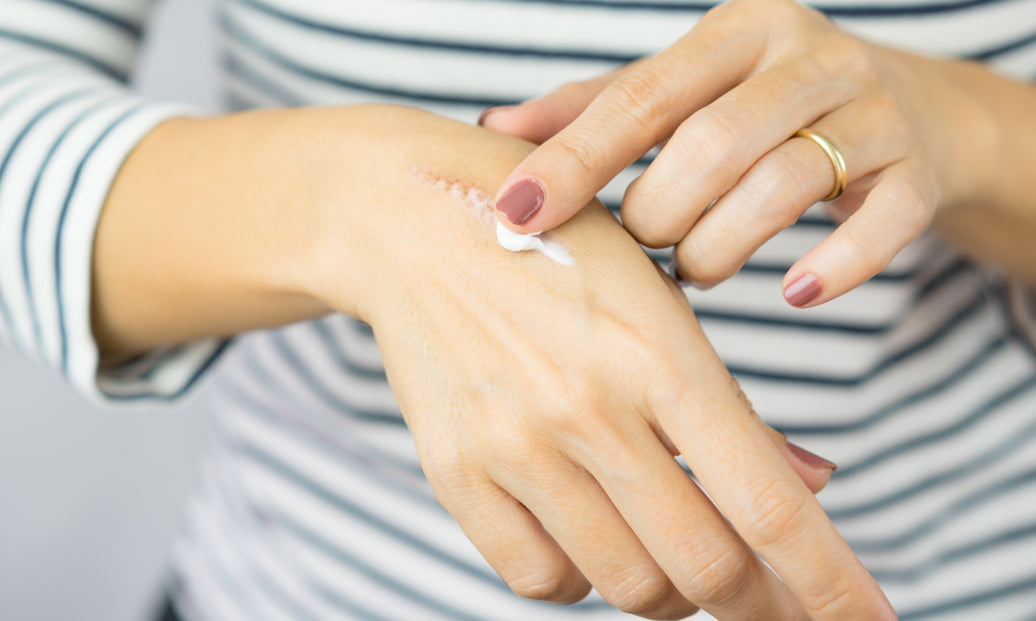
(514, 543)
(573, 508)
(898, 209)
(712, 149)
(762, 496)
(814, 470)
(631, 115)
(779, 187)
(538, 119)
(703, 557)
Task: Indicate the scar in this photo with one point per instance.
(479, 205)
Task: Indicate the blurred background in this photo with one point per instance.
(89, 498)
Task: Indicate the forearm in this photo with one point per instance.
(996, 221)
(221, 225)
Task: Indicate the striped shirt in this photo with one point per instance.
(921, 383)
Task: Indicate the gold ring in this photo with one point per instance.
(833, 154)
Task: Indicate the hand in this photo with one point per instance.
(537, 393)
(547, 402)
(726, 99)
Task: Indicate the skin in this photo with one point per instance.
(594, 375)
(926, 141)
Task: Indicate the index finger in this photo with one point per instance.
(757, 491)
(636, 111)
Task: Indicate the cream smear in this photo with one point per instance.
(479, 205)
(516, 242)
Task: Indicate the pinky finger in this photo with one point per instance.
(517, 547)
(899, 207)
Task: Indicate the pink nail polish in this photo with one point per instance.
(811, 459)
(803, 290)
(523, 200)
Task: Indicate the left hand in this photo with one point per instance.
(727, 98)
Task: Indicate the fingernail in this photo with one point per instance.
(522, 201)
(811, 459)
(489, 112)
(803, 290)
(675, 274)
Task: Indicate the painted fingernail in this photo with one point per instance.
(489, 112)
(811, 459)
(803, 290)
(522, 201)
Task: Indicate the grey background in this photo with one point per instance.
(90, 498)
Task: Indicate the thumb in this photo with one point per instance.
(537, 120)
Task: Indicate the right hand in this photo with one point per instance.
(547, 403)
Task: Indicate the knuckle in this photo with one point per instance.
(580, 150)
(640, 214)
(779, 187)
(846, 56)
(775, 511)
(913, 211)
(641, 593)
(866, 250)
(833, 602)
(703, 268)
(719, 576)
(711, 140)
(641, 97)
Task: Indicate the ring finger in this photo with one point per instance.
(779, 187)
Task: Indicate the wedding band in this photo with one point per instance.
(833, 154)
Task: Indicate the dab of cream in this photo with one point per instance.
(479, 204)
(516, 242)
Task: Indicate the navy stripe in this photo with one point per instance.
(339, 354)
(948, 514)
(271, 464)
(941, 278)
(958, 472)
(59, 238)
(333, 401)
(980, 413)
(97, 64)
(346, 507)
(439, 44)
(8, 103)
(956, 554)
(833, 10)
(935, 334)
(228, 585)
(148, 394)
(261, 49)
(371, 456)
(1022, 585)
(32, 193)
(239, 70)
(110, 19)
(1005, 48)
(970, 366)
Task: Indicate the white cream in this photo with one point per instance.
(479, 204)
(516, 242)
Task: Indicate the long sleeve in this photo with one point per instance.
(67, 122)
